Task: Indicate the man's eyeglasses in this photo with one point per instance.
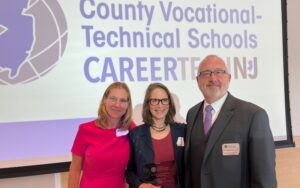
(163, 101)
(208, 73)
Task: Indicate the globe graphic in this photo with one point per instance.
(38, 49)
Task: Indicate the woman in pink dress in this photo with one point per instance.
(100, 151)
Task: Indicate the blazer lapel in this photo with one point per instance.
(192, 122)
(220, 124)
(145, 137)
(175, 134)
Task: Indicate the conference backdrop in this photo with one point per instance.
(57, 58)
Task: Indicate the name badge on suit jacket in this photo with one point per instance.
(229, 149)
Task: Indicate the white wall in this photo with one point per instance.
(59, 180)
(294, 63)
(40, 181)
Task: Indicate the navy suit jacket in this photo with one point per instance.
(142, 154)
(245, 127)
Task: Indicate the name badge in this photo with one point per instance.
(180, 142)
(120, 132)
(230, 149)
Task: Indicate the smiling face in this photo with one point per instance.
(116, 103)
(213, 78)
(160, 105)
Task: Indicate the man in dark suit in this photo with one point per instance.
(237, 150)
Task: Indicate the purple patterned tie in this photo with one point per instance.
(207, 118)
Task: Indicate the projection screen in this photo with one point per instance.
(57, 57)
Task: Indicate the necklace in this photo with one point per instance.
(159, 128)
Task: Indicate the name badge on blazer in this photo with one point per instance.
(229, 149)
(120, 132)
(180, 142)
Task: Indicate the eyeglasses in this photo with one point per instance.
(208, 73)
(164, 101)
(114, 99)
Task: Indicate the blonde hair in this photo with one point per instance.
(126, 119)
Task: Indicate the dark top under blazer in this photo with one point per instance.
(141, 153)
(238, 122)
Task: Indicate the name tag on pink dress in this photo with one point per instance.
(121, 132)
